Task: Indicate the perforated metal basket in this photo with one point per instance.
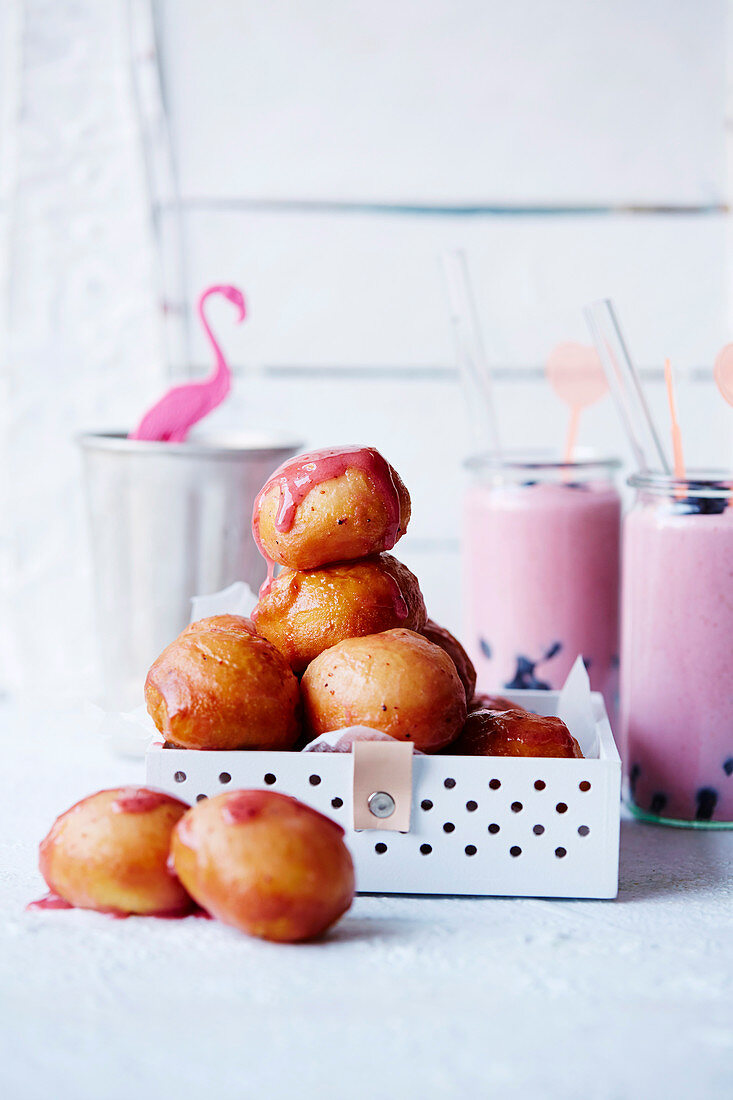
(477, 825)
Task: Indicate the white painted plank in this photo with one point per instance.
(340, 289)
(448, 100)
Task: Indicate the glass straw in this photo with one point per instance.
(625, 384)
(470, 348)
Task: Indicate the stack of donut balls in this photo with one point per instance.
(340, 637)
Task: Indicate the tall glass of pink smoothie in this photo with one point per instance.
(677, 649)
(541, 572)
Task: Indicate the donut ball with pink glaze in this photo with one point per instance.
(329, 506)
(219, 685)
(464, 666)
(110, 852)
(514, 733)
(397, 682)
(305, 612)
(264, 863)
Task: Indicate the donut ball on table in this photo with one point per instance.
(265, 863)
(438, 635)
(397, 682)
(514, 733)
(221, 686)
(304, 613)
(109, 852)
(330, 505)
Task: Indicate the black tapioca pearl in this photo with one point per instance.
(634, 776)
(706, 799)
(658, 802)
(728, 766)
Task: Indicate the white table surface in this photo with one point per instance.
(408, 997)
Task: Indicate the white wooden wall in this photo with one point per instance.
(326, 154)
(321, 155)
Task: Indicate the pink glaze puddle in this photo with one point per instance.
(53, 901)
(48, 901)
(171, 418)
(299, 475)
(140, 801)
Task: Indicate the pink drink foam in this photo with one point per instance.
(542, 567)
(677, 669)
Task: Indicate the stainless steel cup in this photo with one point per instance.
(168, 521)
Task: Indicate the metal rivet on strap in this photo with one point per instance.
(381, 804)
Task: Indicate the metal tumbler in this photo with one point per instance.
(168, 521)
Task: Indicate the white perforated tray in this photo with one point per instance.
(479, 825)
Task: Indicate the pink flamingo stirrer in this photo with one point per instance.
(576, 375)
(171, 418)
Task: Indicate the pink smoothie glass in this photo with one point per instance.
(677, 649)
(541, 572)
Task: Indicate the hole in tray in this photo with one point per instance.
(180, 777)
(471, 849)
(561, 808)
(517, 807)
(494, 828)
(583, 830)
(314, 780)
(450, 784)
(515, 850)
(426, 804)
(539, 784)
(538, 830)
(561, 852)
(495, 784)
(201, 797)
(270, 779)
(380, 848)
(337, 803)
(471, 806)
(225, 777)
(426, 849)
(448, 827)
(584, 786)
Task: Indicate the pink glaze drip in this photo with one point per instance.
(48, 901)
(140, 800)
(244, 806)
(299, 475)
(400, 604)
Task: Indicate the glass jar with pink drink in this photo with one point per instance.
(677, 641)
(541, 572)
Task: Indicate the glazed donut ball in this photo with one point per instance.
(331, 505)
(514, 733)
(304, 613)
(397, 682)
(225, 624)
(483, 701)
(223, 687)
(109, 852)
(264, 863)
(438, 635)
